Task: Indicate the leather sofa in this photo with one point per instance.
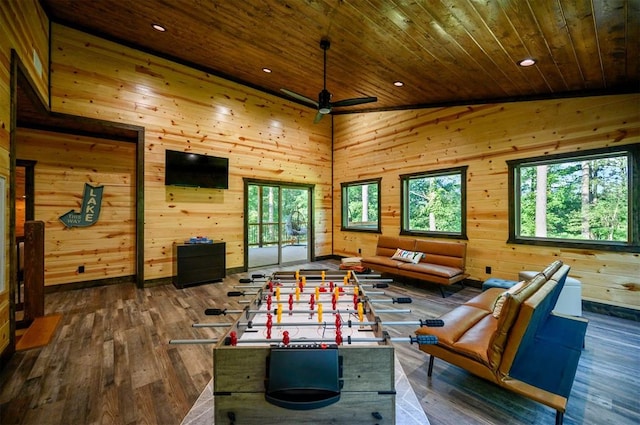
(527, 349)
(437, 261)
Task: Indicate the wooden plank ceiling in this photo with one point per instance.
(444, 51)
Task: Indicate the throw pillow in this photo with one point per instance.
(497, 307)
(418, 256)
(407, 256)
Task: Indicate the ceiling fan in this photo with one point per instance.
(324, 103)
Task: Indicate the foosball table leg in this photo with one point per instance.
(430, 371)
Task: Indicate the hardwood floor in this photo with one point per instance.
(110, 362)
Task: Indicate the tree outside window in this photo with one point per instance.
(361, 206)
(434, 203)
(577, 199)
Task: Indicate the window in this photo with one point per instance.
(361, 206)
(584, 200)
(435, 203)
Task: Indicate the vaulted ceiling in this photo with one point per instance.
(444, 51)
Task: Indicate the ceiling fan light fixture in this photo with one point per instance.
(158, 27)
(324, 103)
(527, 62)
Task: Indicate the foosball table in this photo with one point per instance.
(308, 348)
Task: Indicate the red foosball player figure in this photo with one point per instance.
(269, 325)
(331, 285)
(312, 301)
(233, 339)
(268, 302)
(285, 337)
(290, 304)
(271, 286)
(338, 337)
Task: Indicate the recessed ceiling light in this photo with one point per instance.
(158, 27)
(267, 70)
(398, 83)
(527, 62)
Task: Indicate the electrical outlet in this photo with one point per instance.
(487, 270)
(80, 269)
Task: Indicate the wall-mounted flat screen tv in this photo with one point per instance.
(195, 170)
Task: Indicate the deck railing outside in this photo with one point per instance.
(268, 233)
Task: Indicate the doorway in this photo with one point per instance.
(24, 211)
(278, 223)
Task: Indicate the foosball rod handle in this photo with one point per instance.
(424, 339)
(432, 323)
(401, 300)
(219, 311)
(240, 293)
(253, 278)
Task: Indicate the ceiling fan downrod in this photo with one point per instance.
(324, 98)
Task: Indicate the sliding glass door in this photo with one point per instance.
(278, 218)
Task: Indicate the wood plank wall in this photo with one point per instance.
(24, 28)
(65, 163)
(484, 137)
(264, 137)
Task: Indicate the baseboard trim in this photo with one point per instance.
(611, 310)
(328, 257)
(89, 284)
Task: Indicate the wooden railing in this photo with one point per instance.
(270, 233)
(265, 234)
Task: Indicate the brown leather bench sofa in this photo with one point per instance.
(527, 349)
(437, 261)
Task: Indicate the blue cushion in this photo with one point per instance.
(494, 282)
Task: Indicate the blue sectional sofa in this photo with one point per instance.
(521, 344)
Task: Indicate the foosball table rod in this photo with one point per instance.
(310, 285)
(433, 323)
(418, 339)
(192, 341)
(370, 279)
(345, 294)
(318, 280)
(284, 298)
(223, 312)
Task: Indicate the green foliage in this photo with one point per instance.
(435, 203)
(266, 220)
(601, 213)
(356, 202)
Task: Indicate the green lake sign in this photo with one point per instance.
(89, 211)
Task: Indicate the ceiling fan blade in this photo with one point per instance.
(300, 97)
(318, 117)
(354, 101)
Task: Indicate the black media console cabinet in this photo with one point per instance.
(198, 263)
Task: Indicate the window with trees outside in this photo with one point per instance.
(434, 203)
(586, 200)
(361, 206)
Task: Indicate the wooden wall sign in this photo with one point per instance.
(89, 211)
